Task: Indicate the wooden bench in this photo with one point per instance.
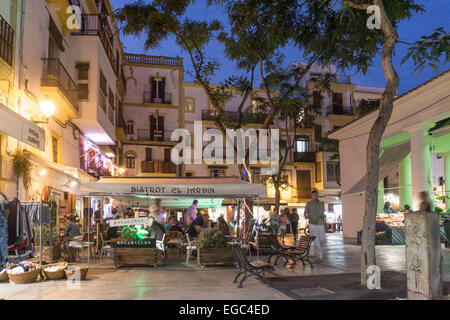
(248, 268)
(297, 253)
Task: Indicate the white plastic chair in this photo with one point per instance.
(106, 245)
(190, 246)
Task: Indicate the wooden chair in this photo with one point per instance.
(248, 268)
(298, 253)
(105, 246)
(175, 238)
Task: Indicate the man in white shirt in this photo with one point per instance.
(191, 213)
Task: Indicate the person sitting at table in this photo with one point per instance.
(72, 232)
(195, 227)
(112, 232)
(223, 226)
(206, 221)
(173, 225)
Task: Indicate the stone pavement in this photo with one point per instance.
(180, 281)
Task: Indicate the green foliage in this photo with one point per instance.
(211, 238)
(130, 233)
(22, 167)
(367, 106)
(327, 144)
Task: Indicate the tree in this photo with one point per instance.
(428, 50)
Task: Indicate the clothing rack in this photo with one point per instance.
(41, 204)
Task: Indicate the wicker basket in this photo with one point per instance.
(3, 276)
(55, 275)
(83, 272)
(23, 278)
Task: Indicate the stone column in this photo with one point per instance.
(447, 179)
(423, 256)
(405, 192)
(380, 208)
(420, 164)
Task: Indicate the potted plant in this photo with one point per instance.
(51, 246)
(212, 249)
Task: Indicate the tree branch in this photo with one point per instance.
(361, 6)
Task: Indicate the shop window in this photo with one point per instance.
(130, 127)
(131, 160)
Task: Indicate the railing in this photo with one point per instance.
(340, 110)
(154, 60)
(144, 135)
(304, 157)
(98, 25)
(212, 115)
(148, 98)
(55, 75)
(6, 41)
(158, 167)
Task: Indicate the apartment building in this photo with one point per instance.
(158, 101)
(62, 83)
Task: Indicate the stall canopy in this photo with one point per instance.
(389, 159)
(177, 188)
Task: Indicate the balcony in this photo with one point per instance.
(6, 41)
(57, 83)
(158, 135)
(338, 110)
(121, 83)
(212, 115)
(98, 25)
(153, 60)
(305, 157)
(158, 167)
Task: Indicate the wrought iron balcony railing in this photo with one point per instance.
(158, 167)
(6, 41)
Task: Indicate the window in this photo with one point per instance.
(130, 160)
(83, 80)
(302, 144)
(55, 149)
(217, 173)
(83, 70)
(317, 99)
(103, 91)
(83, 91)
(333, 171)
(189, 174)
(318, 172)
(190, 105)
(130, 127)
(317, 132)
(158, 90)
(338, 102)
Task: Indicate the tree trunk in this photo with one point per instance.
(373, 145)
(277, 199)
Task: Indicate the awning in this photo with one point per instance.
(389, 159)
(174, 187)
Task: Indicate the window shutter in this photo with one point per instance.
(318, 132)
(167, 153)
(163, 90)
(161, 125)
(148, 154)
(152, 128)
(153, 89)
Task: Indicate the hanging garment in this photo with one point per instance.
(3, 239)
(20, 253)
(12, 215)
(35, 215)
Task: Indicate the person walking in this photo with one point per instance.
(274, 221)
(283, 226)
(293, 218)
(315, 213)
(191, 213)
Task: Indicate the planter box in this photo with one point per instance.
(135, 257)
(215, 256)
(49, 253)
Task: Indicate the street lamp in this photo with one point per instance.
(47, 108)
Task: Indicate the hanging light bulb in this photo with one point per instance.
(43, 172)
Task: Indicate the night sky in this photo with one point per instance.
(437, 15)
